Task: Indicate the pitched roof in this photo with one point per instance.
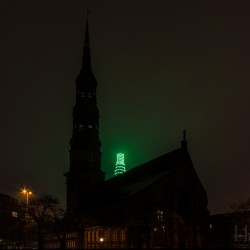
(146, 174)
(141, 184)
(162, 164)
(118, 190)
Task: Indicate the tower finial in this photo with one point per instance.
(86, 60)
(184, 142)
(87, 13)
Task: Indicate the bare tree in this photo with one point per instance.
(45, 215)
(241, 206)
(241, 217)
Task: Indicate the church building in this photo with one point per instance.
(161, 203)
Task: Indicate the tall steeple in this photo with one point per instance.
(85, 112)
(85, 174)
(86, 59)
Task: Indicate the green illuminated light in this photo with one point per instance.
(120, 165)
(120, 159)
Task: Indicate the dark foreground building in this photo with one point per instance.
(9, 212)
(161, 203)
(229, 230)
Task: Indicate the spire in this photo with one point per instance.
(85, 173)
(85, 112)
(86, 59)
(184, 142)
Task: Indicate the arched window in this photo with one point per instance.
(81, 127)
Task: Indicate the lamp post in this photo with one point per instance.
(27, 193)
(101, 242)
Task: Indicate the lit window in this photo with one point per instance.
(89, 236)
(93, 236)
(160, 215)
(14, 214)
(122, 235)
(114, 235)
(105, 235)
(81, 127)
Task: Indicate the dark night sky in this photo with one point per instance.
(162, 66)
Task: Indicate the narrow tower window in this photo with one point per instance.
(81, 127)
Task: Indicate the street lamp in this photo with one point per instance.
(27, 193)
(101, 242)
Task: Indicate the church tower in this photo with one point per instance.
(85, 174)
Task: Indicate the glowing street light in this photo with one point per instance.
(101, 242)
(27, 193)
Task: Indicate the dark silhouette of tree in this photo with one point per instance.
(46, 215)
(241, 216)
(242, 211)
(242, 206)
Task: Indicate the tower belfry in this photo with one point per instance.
(85, 174)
